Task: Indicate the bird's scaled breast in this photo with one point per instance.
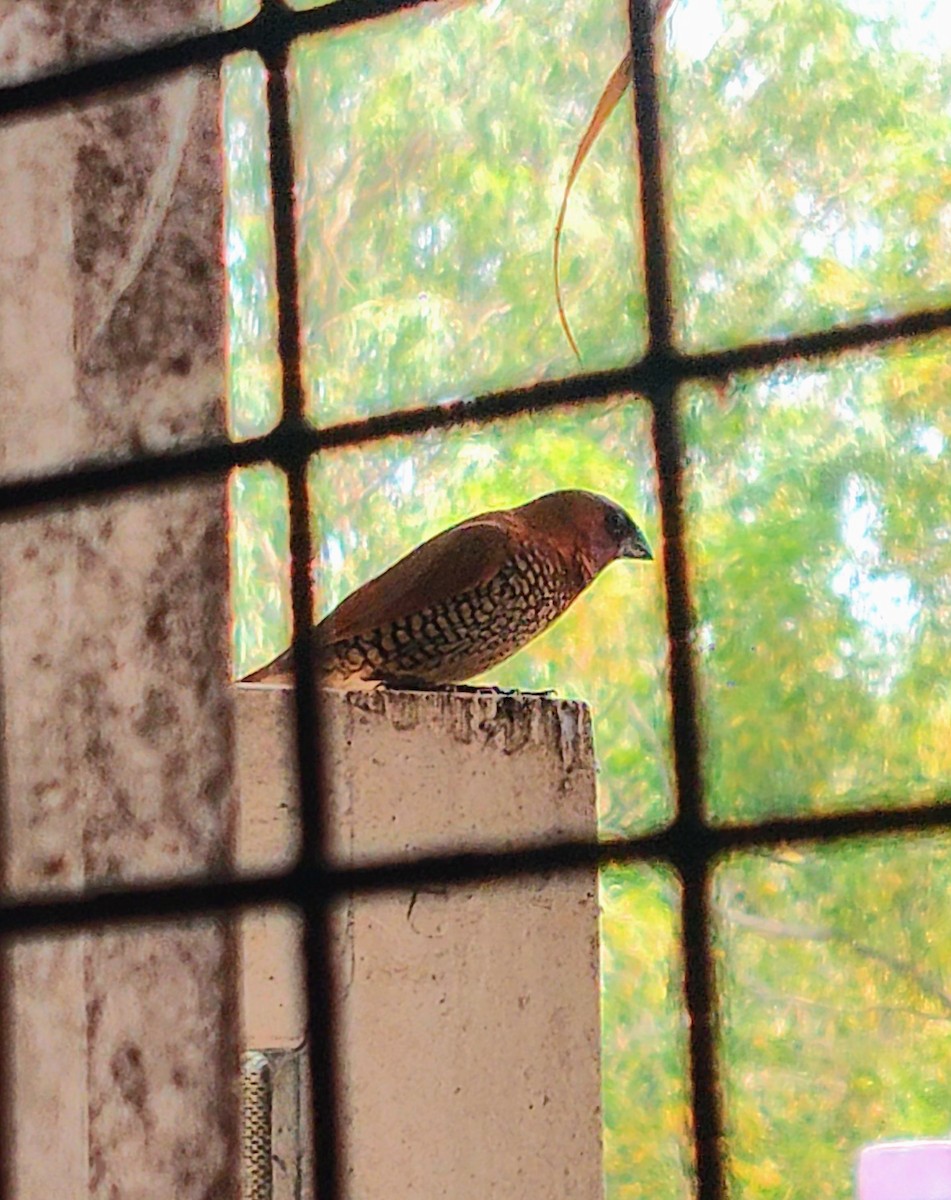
(453, 640)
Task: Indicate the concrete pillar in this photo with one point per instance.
(114, 616)
(471, 1018)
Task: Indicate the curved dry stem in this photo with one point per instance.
(614, 89)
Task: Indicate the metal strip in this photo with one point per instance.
(693, 850)
(315, 903)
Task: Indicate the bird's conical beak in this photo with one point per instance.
(636, 546)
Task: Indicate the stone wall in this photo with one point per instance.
(114, 618)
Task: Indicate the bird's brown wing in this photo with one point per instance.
(447, 565)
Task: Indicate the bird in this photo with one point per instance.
(470, 597)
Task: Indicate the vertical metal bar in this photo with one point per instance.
(685, 713)
(312, 899)
(701, 999)
(692, 842)
(694, 857)
(7, 1155)
(7, 1158)
(650, 158)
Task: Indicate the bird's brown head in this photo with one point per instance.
(590, 528)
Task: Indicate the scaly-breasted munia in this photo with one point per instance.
(471, 596)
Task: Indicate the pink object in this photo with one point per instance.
(914, 1170)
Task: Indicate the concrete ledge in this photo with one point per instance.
(470, 1017)
(418, 771)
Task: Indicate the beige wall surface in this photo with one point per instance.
(115, 719)
(470, 1041)
(470, 1022)
(45, 35)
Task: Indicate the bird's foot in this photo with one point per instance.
(421, 685)
(485, 689)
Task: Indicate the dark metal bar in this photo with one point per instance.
(190, 462)
(291, 440)
(685, 716)
(695, 848)
(56, 88)
(835, 341)
(700, 993)
(273, 29)
(158, 900)
(315, 904)
(696, 841)
(8, 1182)
(95, 480)
(651, 178)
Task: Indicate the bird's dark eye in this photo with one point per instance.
(615, 523)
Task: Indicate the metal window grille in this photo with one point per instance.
(689, 843)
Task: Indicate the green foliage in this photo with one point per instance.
(836, 1008)
(809, 171)
(646, 1149)
(809, 183)
(254, 368)
(432, 153)
(823, 564)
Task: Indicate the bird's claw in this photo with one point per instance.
(485, 689)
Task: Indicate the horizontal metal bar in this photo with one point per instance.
(679, 846)
(274, 28)
(287, 443)
(838, 339)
